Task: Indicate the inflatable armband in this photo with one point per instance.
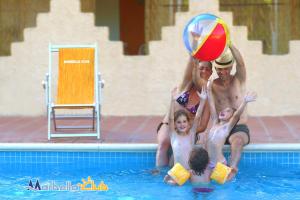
(179, 174)
(220, 173)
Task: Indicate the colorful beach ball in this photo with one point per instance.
(206, 37)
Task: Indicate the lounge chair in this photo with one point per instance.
(76, 86)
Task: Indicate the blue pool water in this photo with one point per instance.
(262, 175)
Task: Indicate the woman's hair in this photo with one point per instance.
(209, 64)
(179, 113)
(198, 160)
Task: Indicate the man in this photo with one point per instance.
(229, 91)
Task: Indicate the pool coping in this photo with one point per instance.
(129, 147)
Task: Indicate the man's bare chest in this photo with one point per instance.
(228, 96)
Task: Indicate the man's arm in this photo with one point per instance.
(240, 64)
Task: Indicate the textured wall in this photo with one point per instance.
(273, 22)
(138, 85)
(15, 15)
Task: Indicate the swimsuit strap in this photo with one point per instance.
(193, 109)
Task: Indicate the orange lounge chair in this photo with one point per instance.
(78, 86)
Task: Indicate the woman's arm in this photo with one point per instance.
(187, 78)
(240, 64)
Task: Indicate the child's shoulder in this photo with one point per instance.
(200, 179)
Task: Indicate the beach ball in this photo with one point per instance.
(206, 37)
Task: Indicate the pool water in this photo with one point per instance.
(129, 181)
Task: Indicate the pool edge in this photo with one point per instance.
(128, 147)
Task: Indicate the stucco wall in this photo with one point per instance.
(138, 85)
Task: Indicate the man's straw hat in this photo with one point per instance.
(225, 60)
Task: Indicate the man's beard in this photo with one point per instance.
(224, 78)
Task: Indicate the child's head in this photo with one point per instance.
(181, 121)
(226, 114)
(198, 160)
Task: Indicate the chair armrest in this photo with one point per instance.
(45, 82)
(100, 81)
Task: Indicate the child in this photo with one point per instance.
(222, 124)
(198, 162)
(182, 134)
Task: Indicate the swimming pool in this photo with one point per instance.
(264, 174)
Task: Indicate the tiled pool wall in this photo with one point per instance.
(288, 159)
(141, 159)
(138, 156)
(107, 161)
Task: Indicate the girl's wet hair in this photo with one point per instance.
(179, 113)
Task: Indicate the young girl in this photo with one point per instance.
(222, 124)
(181, 132)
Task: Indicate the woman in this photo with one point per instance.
(195, 76)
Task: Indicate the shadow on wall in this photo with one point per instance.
(15, 16)
(135, 22)
(275, 22)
